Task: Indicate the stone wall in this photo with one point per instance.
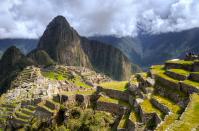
(169, 84)
(196, 66)
(160, 106)
(178, 66)
(175, 75)
(124, 96)
(188, 89)
(194, 77)
(112, 108)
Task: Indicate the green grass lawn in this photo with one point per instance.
(116, 85)
(190, 118)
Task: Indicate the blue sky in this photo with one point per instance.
(29, 18)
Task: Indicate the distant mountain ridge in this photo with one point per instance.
(146, 49)
(25, 45)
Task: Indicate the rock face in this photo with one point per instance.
(65, 46)
(62, 43)
(12, 62)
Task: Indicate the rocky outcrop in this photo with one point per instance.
(65, 46)
(40, 57)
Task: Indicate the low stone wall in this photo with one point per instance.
(196, 66)
(31, 102)
(194, 77)
(188, 89)
(51, 105)
(175, 75)
(167, 83)
(124, 96)
(112, 108)
(130, 126)
(178, 66)
(160, 106)
(181, 101)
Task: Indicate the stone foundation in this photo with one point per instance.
(196, 66)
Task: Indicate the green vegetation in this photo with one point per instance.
(89, 120)
(192, 83)
(114, 101)
(157, 69)
(134, 116)
(168, 121)
(179, 71)
(123, 121)
(70, 93)
(189, 118)
(147, 107)
(181, 62)
(168, 103)
(172, 116)
(53, 75)
(115, 85)
(59, 75)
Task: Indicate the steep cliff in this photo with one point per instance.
(107, 59)
(65, 46)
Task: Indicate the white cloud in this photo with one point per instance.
(29, 18)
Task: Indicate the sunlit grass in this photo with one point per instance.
(115, 85)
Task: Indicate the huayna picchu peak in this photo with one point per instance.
(65, 46)
(69, 82)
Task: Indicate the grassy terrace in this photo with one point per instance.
(180, 62)
(189, 118)
(70, 93)
(192, 83)
(157, 69)
(123, 121)
(172, 106)
(179, 71)
(134, 116)
(147, 107)
(114, 101)
(115, 85)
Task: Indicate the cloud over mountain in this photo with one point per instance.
(28, 18)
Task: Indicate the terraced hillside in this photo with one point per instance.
(76, 98)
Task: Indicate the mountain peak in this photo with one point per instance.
(59, 21)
